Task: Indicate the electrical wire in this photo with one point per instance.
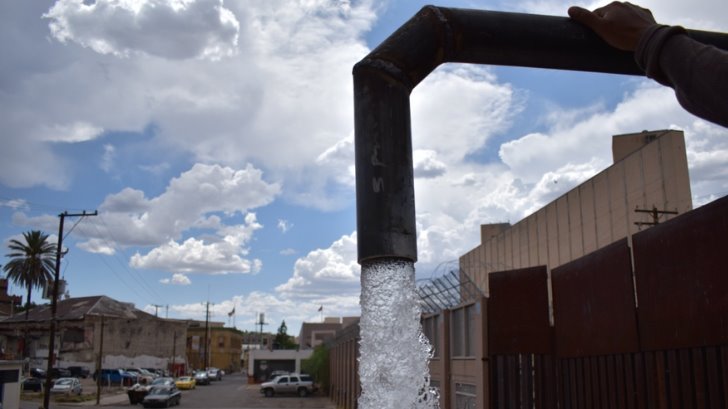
(130, 276)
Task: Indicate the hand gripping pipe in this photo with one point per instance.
(384, 79)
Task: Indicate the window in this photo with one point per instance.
(457, 332)
(221, 341)
(463, 335)
(469, 330)
(465, 396)
(284, 379)
(294, 379)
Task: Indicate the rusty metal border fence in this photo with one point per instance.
(655, 336)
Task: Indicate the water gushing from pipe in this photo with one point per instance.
(394, 372)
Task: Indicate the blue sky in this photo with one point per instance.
(215, 140)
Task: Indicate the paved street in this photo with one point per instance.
(232, 392)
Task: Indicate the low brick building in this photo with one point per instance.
(131, 337)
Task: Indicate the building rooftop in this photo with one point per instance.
(77, 308)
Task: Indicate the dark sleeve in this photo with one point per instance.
(697, 72)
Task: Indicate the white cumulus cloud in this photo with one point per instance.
(177, 279)
(171, 29)
(328, 271)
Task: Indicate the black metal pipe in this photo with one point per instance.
(384, 79)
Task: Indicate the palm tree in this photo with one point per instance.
(31, 263)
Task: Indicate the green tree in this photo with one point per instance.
(31, 263)
(282, 339)
(318, 367)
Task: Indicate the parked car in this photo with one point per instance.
(201, 378)
(37, 373)
(115, 377)
(302, 385)
(32, 384)
(143, 376)
(67, 386)
(185, 382)
(156, 371)
(57, 373)
(162, 396)
(214, 374)
(163, 381)
(79, 371)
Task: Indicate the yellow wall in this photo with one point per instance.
(224, 348)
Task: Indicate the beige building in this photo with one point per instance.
(313, 334)
(649, 174)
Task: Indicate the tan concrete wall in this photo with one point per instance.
(138, 343)
(598, 212)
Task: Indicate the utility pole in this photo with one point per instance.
(174, 355)
(655, 216)
(156, 309)
(99, 363)
(54, 302)
(207, 329)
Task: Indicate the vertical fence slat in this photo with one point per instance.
(522, 380)
(574, 382)
(580, 383)
(551, 395)
(713, 375)
(603, 383)
(611, 382)
(619, 381)
(588, 401)
(596, 383)
(559, 380)
(640, 377)
(501, 378)
(661, 390)
(630, 382)
(673, 371)
(724, 366)
(686, 378)
(538, 381)
(529, 402)
(512, 385)
(651, 381)
(698, 361)
(566, 384)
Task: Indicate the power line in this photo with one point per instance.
(134, 276)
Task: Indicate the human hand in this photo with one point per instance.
(620, 24)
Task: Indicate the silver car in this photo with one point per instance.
(67, 386)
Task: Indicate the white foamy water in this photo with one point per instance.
(394, 354)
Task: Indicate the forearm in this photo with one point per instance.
(697, 72)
